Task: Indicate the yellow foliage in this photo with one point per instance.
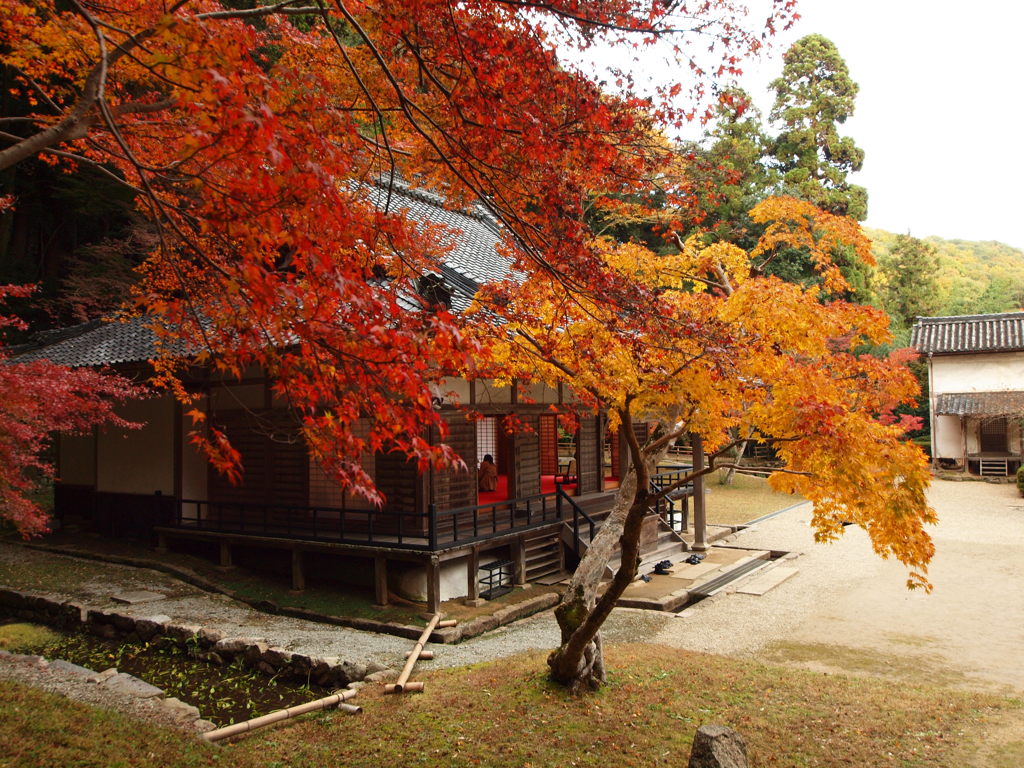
(719, 350)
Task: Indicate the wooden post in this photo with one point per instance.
(433, 585)
(161, 544)
(298, 573)
(519, 561)
(380, 581)
(700, 518)
(225, 555)
(472, 580)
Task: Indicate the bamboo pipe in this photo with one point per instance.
(352, 709)
(407, 688)
(281, 714)
(424, 655)
(415, 653)
(447, 623)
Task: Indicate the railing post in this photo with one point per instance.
(432, 526)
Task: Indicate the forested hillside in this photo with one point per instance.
(946, 277)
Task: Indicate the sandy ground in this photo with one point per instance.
(848, 610)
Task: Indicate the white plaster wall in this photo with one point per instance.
(997, 372)
(973, 429)
(194, 467)
(138, 460)
(947, 437)
(411, 583)
(77, 459)
(541, 393)
(453, 391)
(489, 394)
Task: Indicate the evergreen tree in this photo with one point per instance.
(813, 97)
(737, 147)
(910, 286)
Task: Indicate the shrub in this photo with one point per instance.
(1020, 479)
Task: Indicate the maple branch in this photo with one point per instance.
(75, 125)
(284, 8)
(79, 159)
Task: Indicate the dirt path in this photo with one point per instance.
(848, 610)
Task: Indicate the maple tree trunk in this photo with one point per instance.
(578, 663)
(741, 446)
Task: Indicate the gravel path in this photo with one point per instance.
(848, 610)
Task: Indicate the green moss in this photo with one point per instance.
(20, 637)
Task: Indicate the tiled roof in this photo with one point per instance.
(472, 260)
(969, 333)
(96, 343)
(981, 404)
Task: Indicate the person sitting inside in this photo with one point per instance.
(487, 475)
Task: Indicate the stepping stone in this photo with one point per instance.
(66, 666)
(766, 581)
(139, 596)
(132, 686)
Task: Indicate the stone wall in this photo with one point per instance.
(201, 643)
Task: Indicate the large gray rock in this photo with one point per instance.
(715, 746)
(132, 686)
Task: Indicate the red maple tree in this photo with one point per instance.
(258, 139)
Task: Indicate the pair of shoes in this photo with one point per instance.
(663, 567)
(644, 578)
(695, 558)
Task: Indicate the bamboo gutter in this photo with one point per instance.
(417, 653)
(284, 714)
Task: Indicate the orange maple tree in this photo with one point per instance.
(258, 139)
(720, 351)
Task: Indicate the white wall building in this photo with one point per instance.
(976, 378)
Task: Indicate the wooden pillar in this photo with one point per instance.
(433, 585)
(700, 518)
(519, 559)
(472, 577)
(161, 544)
(963, 441)
(178, 460)
(380, 581)
(298, 572)
(225, 555)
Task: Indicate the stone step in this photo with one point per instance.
(765, 581)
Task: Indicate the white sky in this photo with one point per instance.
(940, 113)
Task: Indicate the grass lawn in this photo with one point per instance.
(507, 714)
(748, 498)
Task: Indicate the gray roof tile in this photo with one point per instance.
(472, 260)
(981, 403)
(969, 333)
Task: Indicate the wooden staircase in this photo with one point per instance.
(545, 558)
(668, 544)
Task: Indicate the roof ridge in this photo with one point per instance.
(965, 318)
(477, 210)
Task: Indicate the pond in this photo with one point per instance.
(223, 694)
